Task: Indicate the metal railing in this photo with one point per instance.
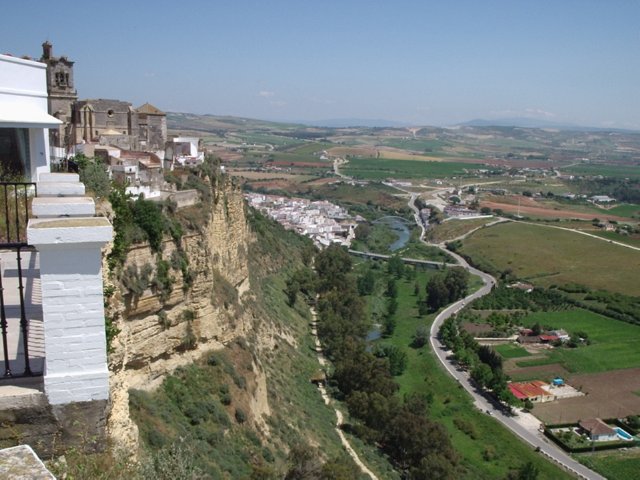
(15, 200)
(14, 212)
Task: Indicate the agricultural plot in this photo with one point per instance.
(454, 228)
(616, 171)
(509, 350)
(381, 168)
(613, 343)
(624, 210)
(606, 370)
(547, 256)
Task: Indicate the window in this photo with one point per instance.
(15, 160)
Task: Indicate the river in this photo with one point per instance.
(400, 228)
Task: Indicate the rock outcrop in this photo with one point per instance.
(160, 331)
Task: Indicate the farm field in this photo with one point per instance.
(454, 228)
(613, 343)
(613, 465)
(379, 169)
(616, 171)
(509, 350)
(547, 256)
(527, 206)
(487, 450)
(608, 395)
(251, 175)
(634, 241)
(624, 210)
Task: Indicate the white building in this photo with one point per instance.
(183, 151)
(24, 138)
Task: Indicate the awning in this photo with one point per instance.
(21, 116)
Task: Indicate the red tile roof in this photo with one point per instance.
(596, 426)
(524, 390)
(549, 338)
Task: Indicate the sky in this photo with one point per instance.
(413, 61)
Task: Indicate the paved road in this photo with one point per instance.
(533, 438)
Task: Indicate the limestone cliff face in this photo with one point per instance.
(159, 332)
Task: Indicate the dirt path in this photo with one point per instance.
(327, 400)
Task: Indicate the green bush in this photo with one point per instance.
(241, 417)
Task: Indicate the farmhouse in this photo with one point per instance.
(597, 430)
(602, 199)
(533, 391)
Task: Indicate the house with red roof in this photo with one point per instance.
(533, 391)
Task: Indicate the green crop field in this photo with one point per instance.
(633, 241)
(381, 168)
(509, 350)
(624, 210)
(613, 343)
(417, 144)
(613, 465)
(548, 256)
(618, 171)
(487, 450)
(309, 148)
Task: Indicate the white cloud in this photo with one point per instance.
(266, 94)
(526, 113)
(277, 103)
(538, 112)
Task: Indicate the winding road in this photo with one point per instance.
(524, 425)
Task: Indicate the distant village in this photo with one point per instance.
(322, 221)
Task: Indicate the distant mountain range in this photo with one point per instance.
(524, 122)
(355, 122)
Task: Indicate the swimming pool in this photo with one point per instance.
(623, 434)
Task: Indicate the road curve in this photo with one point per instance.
(535, 439)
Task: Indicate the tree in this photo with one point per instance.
(389, 325)
(421, 337)
(397, 358)
(94, 175)
(362, 231)
(291, 290)
(304, 463)
(366, 283)
(392, 288)
(392, 306)
(395, 266)
(527, 471)
(437, 293)
(332, 266)
(482, 374)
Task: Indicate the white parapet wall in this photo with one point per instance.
(70, 250)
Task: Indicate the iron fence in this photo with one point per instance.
(15, 308)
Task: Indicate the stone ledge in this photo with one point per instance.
(21, 463)
(46, 177)
(60, 189)
(63, 207)
(45, 231)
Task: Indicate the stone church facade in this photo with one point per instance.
(112, 122)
